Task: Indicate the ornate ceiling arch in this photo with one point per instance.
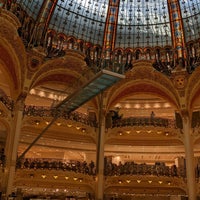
(12, 51)
(144, 79)
(70, 69)
(193, 88)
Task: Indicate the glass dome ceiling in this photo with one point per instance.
(140, 23)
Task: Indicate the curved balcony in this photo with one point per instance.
(144, 121)
(78, 176)
(51, 112)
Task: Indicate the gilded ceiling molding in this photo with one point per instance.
(12, 48)
(144, 78)
(70, 65)
(193, 88)
(9, 16)
(7, 64)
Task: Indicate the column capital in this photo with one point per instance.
(19, 104)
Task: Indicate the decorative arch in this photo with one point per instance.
(13, 54)
(68, 69)
(144, 79)
(193, 88)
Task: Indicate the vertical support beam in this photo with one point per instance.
(177, 30)
(42, 22)
(189, 156)
(100, 151)
(111, 28)
(12, 146)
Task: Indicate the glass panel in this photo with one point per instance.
(32, 7)
(84, 19)
(143, 23)
(190, 10)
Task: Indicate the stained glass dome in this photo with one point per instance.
(140, 23)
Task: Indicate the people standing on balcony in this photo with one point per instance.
(152, 117)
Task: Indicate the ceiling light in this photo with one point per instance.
(32, 91)
(66, 177)
(137, 106)
(159, 132)
(128, 181)
(37, 122)
(78, 127)
(69, 125)
(75, 178)
(150, 181)
(120, 182)
(55, 176)
(83, 130)
(149, 131)
(128, 132)
(138, 131)
(58, 123)
(156, 105)
(160, 182)
(43, 176)
(139, 181)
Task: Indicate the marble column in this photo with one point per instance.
(100, 153)
(12, 146)
(189, 156)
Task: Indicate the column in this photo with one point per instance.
(177, 32)
(12, 146)
(189, 156)
(100, 152)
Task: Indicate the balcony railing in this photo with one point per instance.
(51, 112)
(110, 169)
(144, 121)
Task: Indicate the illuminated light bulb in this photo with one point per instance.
(78, 127)
(75, 178)
(69, 125)
(47, 122)
(66, 177)
(58, 123)
(128, 132)
(159, 132)
(128, 181)
(149, 131)
(37, 122)
(55, 176)
(160, 182)
(83, 130)
(43, 176)
(139, 181)
(150, 181)
(138, 131)
(120, 182)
